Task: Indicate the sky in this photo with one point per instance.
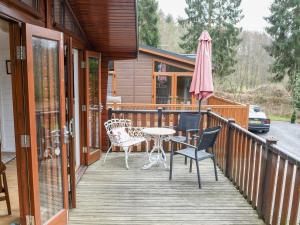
(254, 12)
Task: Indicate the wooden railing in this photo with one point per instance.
(151, 118)
(239, 112)
(267, 176)
(215, 100)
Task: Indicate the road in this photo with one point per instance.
(288, 135)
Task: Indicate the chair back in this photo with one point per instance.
(116, 123)
(208, 138)
(188, 120)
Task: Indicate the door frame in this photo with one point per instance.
(29, 31)
(95, 155)
(20, 122)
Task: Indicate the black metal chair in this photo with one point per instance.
(207, 140)
(189, 123)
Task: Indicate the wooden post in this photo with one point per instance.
(109, 113)
(208, 118)
(228, 149)
(159, 118)
(265, 176)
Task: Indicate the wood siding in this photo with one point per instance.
(134, 77)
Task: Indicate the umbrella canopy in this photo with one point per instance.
(202, 83)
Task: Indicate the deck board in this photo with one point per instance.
(109, 194)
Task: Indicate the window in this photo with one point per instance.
(171, 84)
(31, 3)
(63, 16)
(164, 67)
(163, 89)
(183, 90)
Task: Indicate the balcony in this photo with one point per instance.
(258, 182)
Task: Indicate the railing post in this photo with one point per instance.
(228, 149)
(159, 118)
(208, 118)
(265, 176)
(109, 113)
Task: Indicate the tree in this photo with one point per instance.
(148, 22)
(169, 33)
(220, 19)
(285, 49)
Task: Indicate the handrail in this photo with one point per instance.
(257, 167)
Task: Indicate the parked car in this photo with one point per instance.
(258, 121)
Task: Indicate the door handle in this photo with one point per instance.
(66, 135)
(71, 128)
(101, 107)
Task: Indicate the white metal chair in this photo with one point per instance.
(133, 136)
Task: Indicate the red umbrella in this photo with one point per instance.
(202, 83)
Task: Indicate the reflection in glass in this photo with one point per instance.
(31, 3)
(48, 126)
(163, 89)
(183, 89)
(163, 67)
(93, 111)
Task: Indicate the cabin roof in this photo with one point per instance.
(184, 58)
(110, 26)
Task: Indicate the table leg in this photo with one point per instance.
(160, 158)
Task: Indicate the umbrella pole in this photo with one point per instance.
(200, 100)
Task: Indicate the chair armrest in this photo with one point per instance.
(184, 143)
(115, 139)
(192, 130)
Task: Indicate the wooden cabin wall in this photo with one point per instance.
(134, 79)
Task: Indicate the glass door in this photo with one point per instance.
(164, 88)
(183, 84)
(48, 133)
(93, 106)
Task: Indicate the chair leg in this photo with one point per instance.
(171, 165)
(215, 167)
(6, 193)
(191, 165)
(198, 173)
(107, 153)
(126, 157)
(147, 148)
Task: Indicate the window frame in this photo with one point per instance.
(174, 76)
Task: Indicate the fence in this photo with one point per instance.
(223, 107)
(267, 176)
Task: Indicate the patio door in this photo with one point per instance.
(93, 106)
(44, 78)
(163, 88)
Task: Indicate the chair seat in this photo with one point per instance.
(133, 141)
(179, 138)
(190, 152)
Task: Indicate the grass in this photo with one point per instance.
(281, 118)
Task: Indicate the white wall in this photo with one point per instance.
(6, 104)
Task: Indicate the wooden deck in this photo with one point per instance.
(108, 194)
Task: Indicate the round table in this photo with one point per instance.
(159, 134)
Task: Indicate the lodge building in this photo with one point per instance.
(157, 76)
